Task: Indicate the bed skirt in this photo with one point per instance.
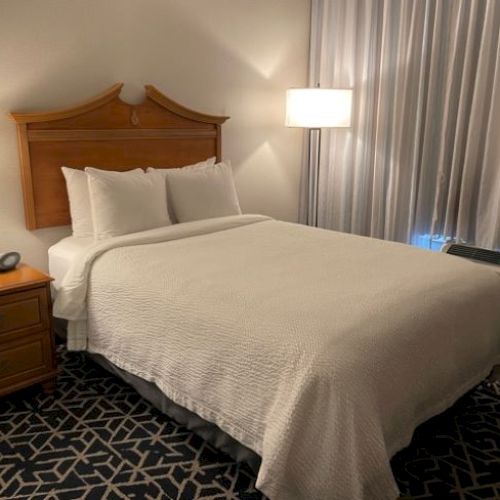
(208, 431)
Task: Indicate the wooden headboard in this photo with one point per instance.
(106, 132)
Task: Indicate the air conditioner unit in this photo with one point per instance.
(479, 255)
(485, 257)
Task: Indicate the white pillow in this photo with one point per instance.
(167, 171)
(123, 204)
(79, 200)
(203, 193)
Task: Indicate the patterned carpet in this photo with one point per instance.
(98, 439)
(455, 455)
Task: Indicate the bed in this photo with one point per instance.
(312, 354)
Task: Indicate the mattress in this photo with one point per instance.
(319, 351)
(63, 254)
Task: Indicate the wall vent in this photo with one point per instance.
(474, 253)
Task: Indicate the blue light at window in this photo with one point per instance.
(429, 241)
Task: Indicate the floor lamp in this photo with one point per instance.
(314, 109)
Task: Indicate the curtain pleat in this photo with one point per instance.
(422, 156)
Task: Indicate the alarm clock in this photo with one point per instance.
(9, 260)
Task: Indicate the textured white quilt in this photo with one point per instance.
(320, 351)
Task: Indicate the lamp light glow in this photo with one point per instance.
(318, 108)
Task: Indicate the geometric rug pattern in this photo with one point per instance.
(97, 438)
(455, 455)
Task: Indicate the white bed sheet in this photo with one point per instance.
(63, 254)
(318, 350)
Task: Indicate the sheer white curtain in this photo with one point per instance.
(423, 155)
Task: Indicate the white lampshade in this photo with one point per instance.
(318, 108)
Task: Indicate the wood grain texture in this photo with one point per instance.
(27, 350)
(105, 132)
(117, 134)
(79, 109)
(23, 276)
(25, 310)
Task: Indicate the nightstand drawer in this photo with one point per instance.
(25, 359)
(24, 311)
(27, 354)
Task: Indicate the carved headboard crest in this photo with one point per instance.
(108, 133)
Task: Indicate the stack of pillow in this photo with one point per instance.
(104, 204)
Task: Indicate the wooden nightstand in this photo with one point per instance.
(27, 351)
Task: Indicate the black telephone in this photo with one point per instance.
(9, 260)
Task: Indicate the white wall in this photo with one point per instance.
(228, 57)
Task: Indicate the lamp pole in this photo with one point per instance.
(313, 175)
(316, 108)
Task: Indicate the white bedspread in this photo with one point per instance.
(320, 351)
